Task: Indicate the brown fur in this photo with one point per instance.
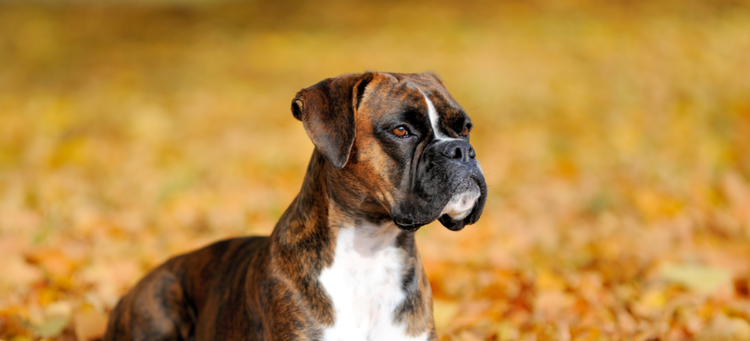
(266, 288)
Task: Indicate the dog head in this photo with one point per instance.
(397, 146)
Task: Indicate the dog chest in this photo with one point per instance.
(365, 285)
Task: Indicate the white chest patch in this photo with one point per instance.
(364, 283)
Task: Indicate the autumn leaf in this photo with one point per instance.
(613, 137)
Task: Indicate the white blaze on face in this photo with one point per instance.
(434, 117)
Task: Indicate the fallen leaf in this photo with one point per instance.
(443, 312)
(90, 324)
(723, 328)
(702, 279)
(18, 273)
(55, 318)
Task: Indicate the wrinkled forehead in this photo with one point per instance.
(403, 92)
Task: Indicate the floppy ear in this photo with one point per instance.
(327, 112)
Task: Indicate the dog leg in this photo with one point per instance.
(154, 310)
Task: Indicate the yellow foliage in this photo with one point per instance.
(613, 135)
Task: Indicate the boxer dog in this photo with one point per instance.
(391, 154)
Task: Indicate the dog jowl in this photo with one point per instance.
(392, 154)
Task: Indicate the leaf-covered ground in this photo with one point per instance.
(615, 141)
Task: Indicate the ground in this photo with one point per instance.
(615, 141)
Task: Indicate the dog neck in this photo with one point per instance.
(373, 285)
(369, 277)
(319, 210)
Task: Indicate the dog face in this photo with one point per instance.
(399, 146)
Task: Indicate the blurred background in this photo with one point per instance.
(614, 135)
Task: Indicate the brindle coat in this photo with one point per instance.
(267, 288)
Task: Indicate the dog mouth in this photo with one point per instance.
(454, 215)
(461, 205)
(410, 227)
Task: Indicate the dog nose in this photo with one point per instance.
(459, 150)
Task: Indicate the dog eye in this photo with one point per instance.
(401, 131)
(465, 132)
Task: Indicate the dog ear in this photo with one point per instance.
(327, 112)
